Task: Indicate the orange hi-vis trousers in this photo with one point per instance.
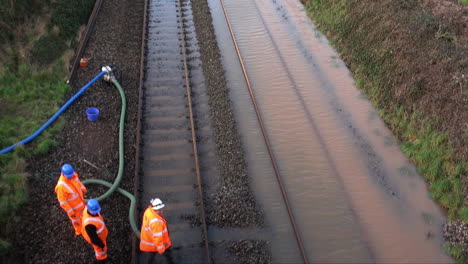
(101, 254)
(76, 222)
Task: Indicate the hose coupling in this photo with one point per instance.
(109, 76)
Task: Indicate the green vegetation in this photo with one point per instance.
(65, 19)
(432, 153)
(429, 149)
(30, 98)
(365, 42)
(457, 253)
(32, 88)
(48, 49)
(13, 13)
(69, 15)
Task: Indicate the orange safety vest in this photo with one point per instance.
(70, 194)
(154, 234)
(101, 230)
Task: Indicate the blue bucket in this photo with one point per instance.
(92, 114)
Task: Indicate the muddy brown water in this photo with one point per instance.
(167, 166)
(354, 194)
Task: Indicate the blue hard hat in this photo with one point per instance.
(67, 170)
(93, 206)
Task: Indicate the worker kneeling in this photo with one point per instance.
(94, 229)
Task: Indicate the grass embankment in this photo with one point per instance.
(35, 35)
(403, 57)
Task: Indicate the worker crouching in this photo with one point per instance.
(154, 234)
(70, 194)
(94, 229)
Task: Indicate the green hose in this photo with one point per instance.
(115, 186)
(129, 196)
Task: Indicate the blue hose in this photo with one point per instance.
(54, 117)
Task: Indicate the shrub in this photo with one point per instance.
(48, 49)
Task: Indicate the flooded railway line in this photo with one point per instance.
(174, 107)
(178, 155)
(349, 197)
(312, 126)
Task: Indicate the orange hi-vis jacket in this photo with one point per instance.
(101, 230)
(70, 194)
(154, 234)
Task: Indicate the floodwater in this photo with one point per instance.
(168, 167)
(355, 196)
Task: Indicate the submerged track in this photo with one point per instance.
(169, 153)
(169, 156)
(267, 141)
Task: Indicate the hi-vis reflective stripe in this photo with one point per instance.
(66, 186)
(163, 246)
(147, 228)
(100, 253)
(74, 195)
(160, 233)
(155, 220)
(72, 198)
(76, 220)
(69, 199)
(78, 206)
(95, 220)
(69, 211)
(101, 229)
(147, 243)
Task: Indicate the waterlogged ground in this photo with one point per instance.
(117, 42)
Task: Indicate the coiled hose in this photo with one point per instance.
(112, 187)
(115, 186)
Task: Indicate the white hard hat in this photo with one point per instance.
(157, 203)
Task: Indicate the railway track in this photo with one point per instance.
(172, 123)
(176, 135)
(175, 117)
(174, 120)
(267, 140)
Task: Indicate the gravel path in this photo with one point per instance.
(233, 205)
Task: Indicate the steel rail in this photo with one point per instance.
(84, 38)
(194, 139)
(139, 121)
(266, 138)
(321, 139)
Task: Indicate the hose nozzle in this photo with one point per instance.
(109, 76)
